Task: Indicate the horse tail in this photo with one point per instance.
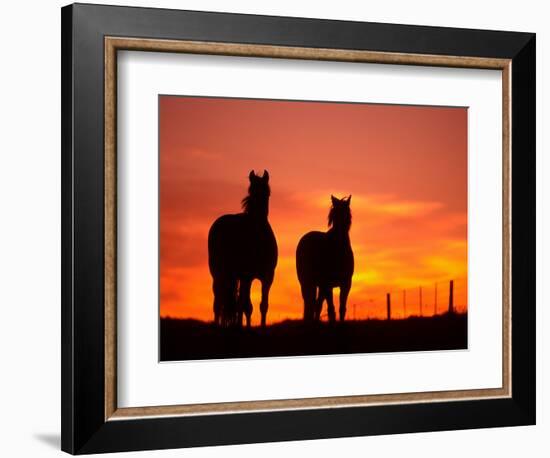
(221, 265)
(307, 269)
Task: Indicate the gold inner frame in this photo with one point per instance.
(114, 44)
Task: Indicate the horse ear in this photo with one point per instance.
(348, 200)
(251, 175)
(266, 176)
(334, 200)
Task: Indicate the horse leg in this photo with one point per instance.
(218, 303)
(327, 294)
(217, 311)
(245, 305)
(233, 292)
(309, 297)
(228, 288)
(240, 308)
(344, 291)
(318, 303)
(264, 303)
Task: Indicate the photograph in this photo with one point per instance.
(306, 227)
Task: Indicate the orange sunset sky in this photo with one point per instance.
(405, 166)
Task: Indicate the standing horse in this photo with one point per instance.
(242, 248)
(324, 260)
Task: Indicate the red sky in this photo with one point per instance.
(406, 167)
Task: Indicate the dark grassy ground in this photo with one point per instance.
(192, 339)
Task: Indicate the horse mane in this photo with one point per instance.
(245, 204)
(253, 199)
(332, 215)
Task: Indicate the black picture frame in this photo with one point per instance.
(84, 427)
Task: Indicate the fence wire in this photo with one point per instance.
(425, 300)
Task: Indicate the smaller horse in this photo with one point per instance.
(324, 260)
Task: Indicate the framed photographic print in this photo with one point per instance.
(284, 228)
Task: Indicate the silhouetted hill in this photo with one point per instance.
(193, 339)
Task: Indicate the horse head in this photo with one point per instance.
(339, 216)
(257, 201)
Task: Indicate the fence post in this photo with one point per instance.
(435, 300)
(451, 298)
(388, 305)
(420, 299)
(404, 304)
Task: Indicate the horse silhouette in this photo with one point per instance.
(242, 248)
(324, 260)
